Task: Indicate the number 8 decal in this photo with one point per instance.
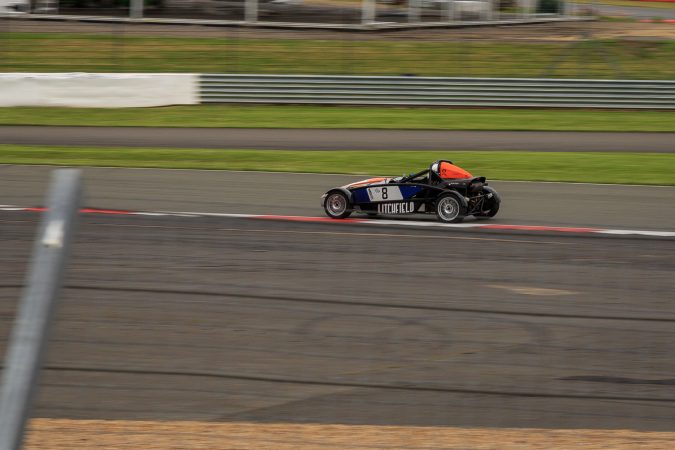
(384, 194)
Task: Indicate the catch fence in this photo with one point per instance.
(563, 51)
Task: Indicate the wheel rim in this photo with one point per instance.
(336, 204)
(448, 208)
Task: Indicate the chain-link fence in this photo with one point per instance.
(330, 12)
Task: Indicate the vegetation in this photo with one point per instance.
(54, 52)
(549, 6)
(654, 168)
(346, 117)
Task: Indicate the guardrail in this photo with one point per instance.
(436, 91)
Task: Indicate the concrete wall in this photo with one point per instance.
(101, 90)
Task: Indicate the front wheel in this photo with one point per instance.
(449, 209)
(337, 205)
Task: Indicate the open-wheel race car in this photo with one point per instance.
(443, 189)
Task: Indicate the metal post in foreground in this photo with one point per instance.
(36, 307)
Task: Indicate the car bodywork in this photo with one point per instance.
(442, 186)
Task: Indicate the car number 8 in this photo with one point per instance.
(384, 194)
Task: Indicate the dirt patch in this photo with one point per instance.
(634, 30)
(53, 434)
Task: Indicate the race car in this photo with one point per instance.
(443, 189)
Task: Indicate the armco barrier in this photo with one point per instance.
(436, 91)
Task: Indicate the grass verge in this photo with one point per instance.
(268, 116)
(117, 52)
(625, 168)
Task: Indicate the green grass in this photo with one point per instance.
(54, 52)
(346, 117)
(628, 168)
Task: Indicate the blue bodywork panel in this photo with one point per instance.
(360, 195)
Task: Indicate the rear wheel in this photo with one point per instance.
(449, 209)
(337, 205)
(490, 205)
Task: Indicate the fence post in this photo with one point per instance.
(251, 11)
(414, 11)
(35, 310)
(136, 9)
(367, 12)
(450, 10)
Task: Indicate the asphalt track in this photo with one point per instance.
(227, 319)
(551, 204)
(252, 320)
(324, 139)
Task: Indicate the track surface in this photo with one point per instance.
(322, 139)
(234, 319)
(553, 204)
(224, 319)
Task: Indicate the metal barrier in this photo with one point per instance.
(436, 91)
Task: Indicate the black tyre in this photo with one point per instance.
(491, 205)
(450, 209)
(337, 205)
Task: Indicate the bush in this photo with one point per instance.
(549, 6)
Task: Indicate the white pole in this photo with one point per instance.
(367, 12)
(251, 13)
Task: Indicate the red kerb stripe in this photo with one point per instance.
(541, 228)
(308, 219)
(104, 211)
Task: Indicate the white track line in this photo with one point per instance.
(364, 221)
